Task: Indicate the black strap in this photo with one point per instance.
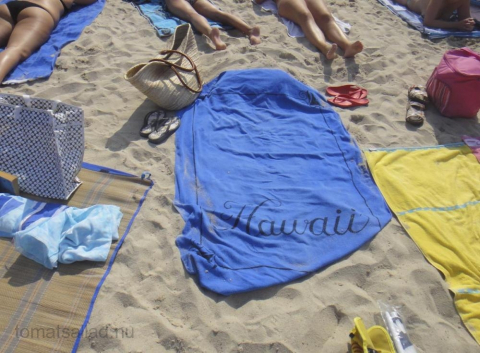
(176, 67)
(65, 8)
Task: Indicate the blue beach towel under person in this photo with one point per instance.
(269, 182)
(41, 63)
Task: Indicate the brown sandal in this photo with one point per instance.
(418, 94)
(415, 114)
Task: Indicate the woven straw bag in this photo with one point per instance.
(171, 79)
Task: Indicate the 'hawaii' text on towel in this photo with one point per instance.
(316, 226)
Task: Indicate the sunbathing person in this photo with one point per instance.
(194, 11)
(317, 23)
(26, 25)
(437, 12)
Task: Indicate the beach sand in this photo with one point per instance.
(149, 294)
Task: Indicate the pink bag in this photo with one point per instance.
(454, 86)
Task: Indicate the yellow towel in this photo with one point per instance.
(435, 193)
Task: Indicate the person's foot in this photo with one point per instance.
(332, 52)
(217, 41)
(255, 36)
(353, 49)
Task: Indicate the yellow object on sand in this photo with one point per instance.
(375, 339)
(435, 193)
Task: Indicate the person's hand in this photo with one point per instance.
(466, 24)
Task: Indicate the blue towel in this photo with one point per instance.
(40, 64)
(49, 233)
(155, 11)
(416, 21)
(269, 182)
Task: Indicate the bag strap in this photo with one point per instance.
(174, 67)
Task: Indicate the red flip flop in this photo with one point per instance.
(353, 91)
(347, 101)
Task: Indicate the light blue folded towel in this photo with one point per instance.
(51, 233)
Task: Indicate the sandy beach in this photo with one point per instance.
(150, 295)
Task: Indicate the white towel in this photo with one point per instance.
(293, 29)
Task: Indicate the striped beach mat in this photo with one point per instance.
(44, 310)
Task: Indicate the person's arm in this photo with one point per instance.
(464, 10)
(434, 12)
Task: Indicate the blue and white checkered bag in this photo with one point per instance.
(42, 143)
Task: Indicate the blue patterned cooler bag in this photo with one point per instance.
(42, 143)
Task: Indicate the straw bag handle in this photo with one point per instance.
(174, 67)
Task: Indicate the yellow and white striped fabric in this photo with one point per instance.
(435, 193)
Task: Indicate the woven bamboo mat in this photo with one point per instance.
(45, 310)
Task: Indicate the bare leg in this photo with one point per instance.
(33, 28)
(416, 6)
(183, 10)
(297, 11)
(206, 9)
(327, 24)
(6, 25)
(215, 37)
